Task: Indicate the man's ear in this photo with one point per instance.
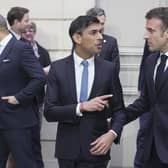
(16, 22)
(166, 32)
(77, 38)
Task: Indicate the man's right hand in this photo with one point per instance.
(10, 99)
(95, 104)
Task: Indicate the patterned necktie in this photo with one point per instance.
(160, 70)
(84, 82)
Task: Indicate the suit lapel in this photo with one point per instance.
(97, 78)
(70, 71)
(7, 50)
(163, 80)
(104, 48)
(151, 68)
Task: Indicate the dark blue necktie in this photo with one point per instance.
(160, 70)
(84, 82)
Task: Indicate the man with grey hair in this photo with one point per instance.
(21, 78)
(3, 24)
(110, 51)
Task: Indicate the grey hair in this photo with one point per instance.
(3, 23)
(95, 12)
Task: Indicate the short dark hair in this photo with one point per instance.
(80, 24)
(16, 13)
(159, 13)
(95, 12)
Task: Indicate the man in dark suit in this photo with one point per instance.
(143, 120)
(21, 77)
(110, 51)
(153, 98)
(18, 19)
(81, 98)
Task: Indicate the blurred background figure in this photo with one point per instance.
(44, 59)
(110, 51)
(40, 52)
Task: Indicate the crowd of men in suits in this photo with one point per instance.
(83, 94)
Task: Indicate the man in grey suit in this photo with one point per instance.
(81, 98)
(109, 51)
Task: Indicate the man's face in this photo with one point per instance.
(102, 20)
(23, 24)
(156, 36)
(90, 41)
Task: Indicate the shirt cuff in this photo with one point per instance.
(113, 133)
(78, 112)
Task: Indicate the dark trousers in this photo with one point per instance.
(19, 143)
(81, 164)
(37, 146)
(139, 156)
(154, 161)
(37, 137)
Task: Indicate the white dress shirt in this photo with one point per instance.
(78, 77)
(18, 36)
(157, 64)
(4, 42)
(78, 74)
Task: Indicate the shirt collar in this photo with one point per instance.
(78, 59)
(18, 36)
(5, 40)
(165, 53)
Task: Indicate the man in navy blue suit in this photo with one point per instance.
(109, 51)
(154, 96)
(81, 98)
(143, 120)
(18, 19)
(21, 78)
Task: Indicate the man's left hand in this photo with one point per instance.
(102, 144)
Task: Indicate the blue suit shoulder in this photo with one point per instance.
(20, 44)
(151, 57)
(61, 61)
(109, 37)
